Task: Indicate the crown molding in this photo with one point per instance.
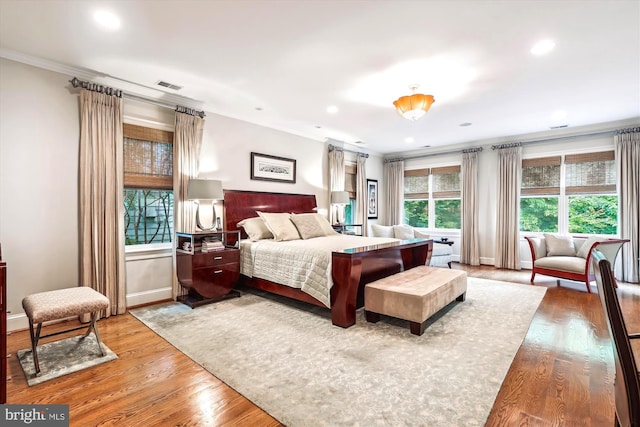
(145, 92)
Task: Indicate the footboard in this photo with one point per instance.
(353, 268)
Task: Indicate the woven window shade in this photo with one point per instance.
(148, 158)
(541, 176)
(446, 182)
(416, 184)
(590, 173)
(350, 180)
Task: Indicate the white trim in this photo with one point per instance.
(130, 120)
(151, 251)
(147, 297)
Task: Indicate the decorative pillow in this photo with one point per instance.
(382, 230)
(403, 232)
(255, 228)
(308, 225)
(558, 245)
(586, 246)
(280, 225)
(324, 224)
(419, 234)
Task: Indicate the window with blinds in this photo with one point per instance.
(581, 200)
(432, 197)
(148, 185)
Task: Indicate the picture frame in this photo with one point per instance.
(372, 198)
(265, 167)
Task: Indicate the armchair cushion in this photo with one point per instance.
(562, 263)
(382, 230)
(559, 245)
(586, 246)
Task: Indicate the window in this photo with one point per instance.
(572, 193)
(432, 197)
(350, 175)
(148, 185)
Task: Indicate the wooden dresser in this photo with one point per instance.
(208, 275)
(3, 329)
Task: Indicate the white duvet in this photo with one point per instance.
(301, 264)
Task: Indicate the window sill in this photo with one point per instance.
(156, 250)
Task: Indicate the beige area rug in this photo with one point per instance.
(291, 361)
(63, 357)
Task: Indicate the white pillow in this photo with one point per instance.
(586, 246)
(382, 230)
(403, 232)
(309, 226)
(559, 245)
(255, 228)
(280, 225)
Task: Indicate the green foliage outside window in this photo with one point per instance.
(593, 214)
(448, 213)
(539, 214)
(416, 213)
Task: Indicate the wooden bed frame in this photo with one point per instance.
(351, 268)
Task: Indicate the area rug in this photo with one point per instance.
(63, 357)
(289, 359)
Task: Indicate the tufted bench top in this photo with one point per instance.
(415, 294)
(61, 303)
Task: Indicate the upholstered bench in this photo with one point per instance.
(59, 304)
(414, 295)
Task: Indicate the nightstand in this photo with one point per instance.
(351, 229)
(209, 275)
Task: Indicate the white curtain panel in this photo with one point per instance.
(627, 148)
(187, 143)
(102, 265)
(394, 180)
(336, 178)
(470, 244)
(361, 194)
(507, 223)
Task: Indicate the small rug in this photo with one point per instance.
(289, 359)
(63, 357)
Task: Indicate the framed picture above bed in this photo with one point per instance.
(372, 198)
(272, 168)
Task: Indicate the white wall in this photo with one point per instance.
(39, 140)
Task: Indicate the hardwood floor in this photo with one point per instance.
(561, 376)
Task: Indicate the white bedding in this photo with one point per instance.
(301, 264)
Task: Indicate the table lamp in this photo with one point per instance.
(339, 198)
(205, 189)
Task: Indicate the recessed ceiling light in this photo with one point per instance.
(332, 109)
(542, 47)
(465, 124)
(258, 108)
(408, 140)
(318, 127)
(107, 19)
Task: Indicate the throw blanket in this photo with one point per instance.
(301, 264)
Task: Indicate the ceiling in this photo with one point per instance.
(280, 64)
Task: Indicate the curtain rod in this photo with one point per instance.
(441, 153)
(333, 147)
(560, 138)
(75, 82)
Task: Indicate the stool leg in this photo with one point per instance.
(35, 337)
(94, 319)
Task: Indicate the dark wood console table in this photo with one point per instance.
(353, 268)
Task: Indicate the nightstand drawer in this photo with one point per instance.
(215, 258)
(214, 282)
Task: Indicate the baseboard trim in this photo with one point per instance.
(146, 297)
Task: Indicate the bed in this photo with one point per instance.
(350, 267)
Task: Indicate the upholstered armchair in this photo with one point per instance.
(567, 257)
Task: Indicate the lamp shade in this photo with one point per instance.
(340, 197)
(204, 189)
(414, 106)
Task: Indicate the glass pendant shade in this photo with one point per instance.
(414, 106)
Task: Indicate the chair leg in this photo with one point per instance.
(588, 285)
(533, 275)
(94, 325)
(35, 337)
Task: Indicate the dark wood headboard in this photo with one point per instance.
(239, 205)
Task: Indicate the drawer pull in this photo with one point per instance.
(217, 272)
(217, 258)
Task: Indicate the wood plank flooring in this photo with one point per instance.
(561, 376)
